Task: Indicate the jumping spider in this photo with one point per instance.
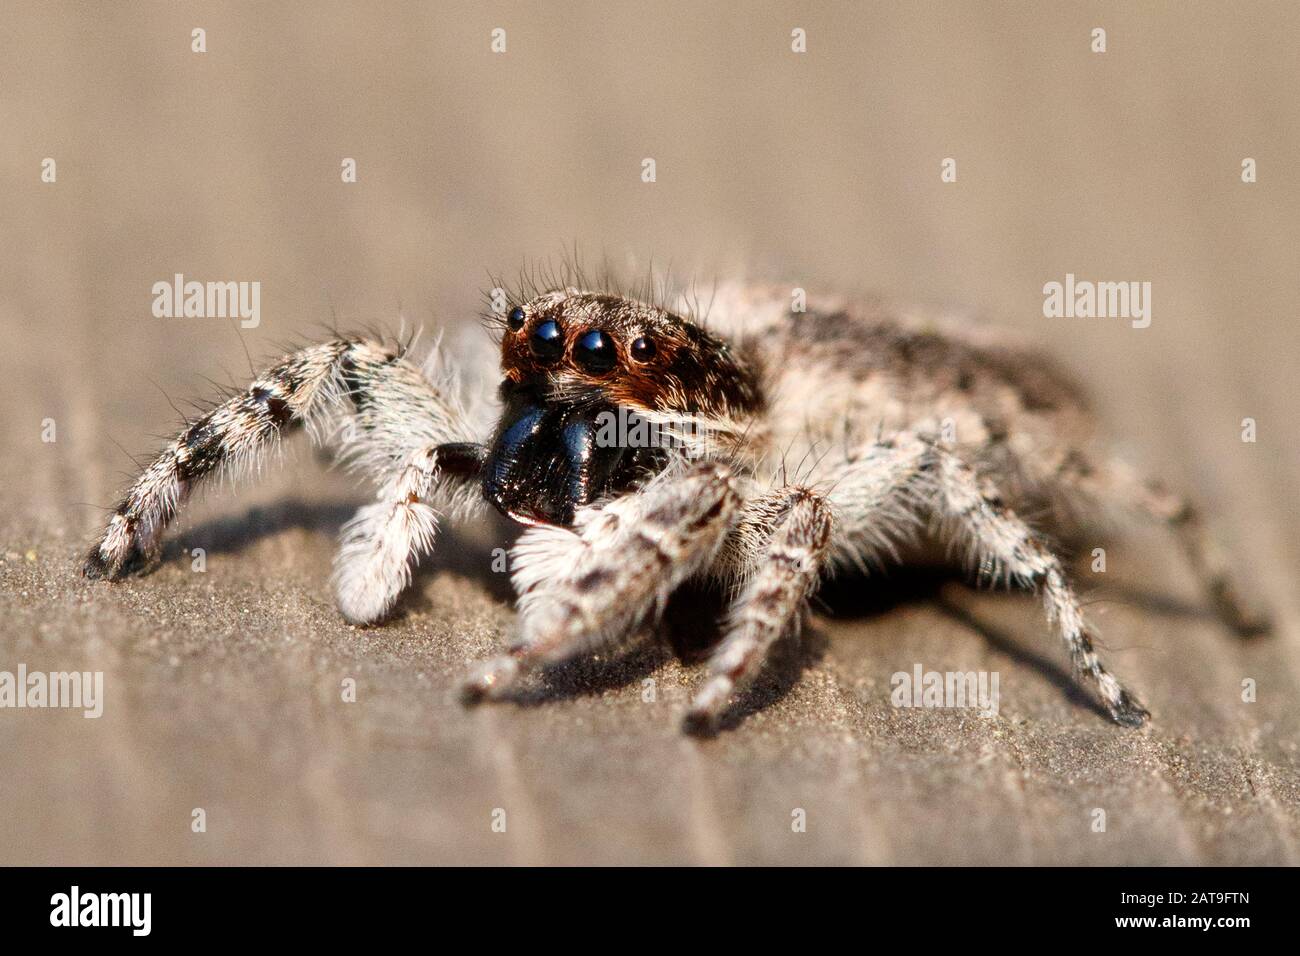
(908, 430)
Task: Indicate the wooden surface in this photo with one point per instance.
(224, 687)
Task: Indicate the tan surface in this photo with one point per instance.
(822, 169)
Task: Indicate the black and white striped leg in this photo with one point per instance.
(395, 410)
(1207, 558)
(594, 586)
(772, 602)
(1210, 565)
(1113, 486)
(1000, 541)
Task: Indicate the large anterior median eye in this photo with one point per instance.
(594, 352)
(547, 341)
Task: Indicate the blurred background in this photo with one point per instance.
(821, 169)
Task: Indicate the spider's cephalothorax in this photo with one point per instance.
(571, 362)
(898, 429)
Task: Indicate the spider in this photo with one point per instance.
(642, 448)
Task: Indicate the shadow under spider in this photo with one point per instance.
(692, 620)
(234, 533)
(691, 627)
(1057, 675)
(857, 597)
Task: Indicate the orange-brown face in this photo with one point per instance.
(577, 345)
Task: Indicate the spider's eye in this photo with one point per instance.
(547, 341)
(643, 349)
(515, 319)
(594, 352)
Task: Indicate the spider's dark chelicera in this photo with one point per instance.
(643, 449)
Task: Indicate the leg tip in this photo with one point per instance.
(1250, 622)
(1128, 712)
(471, 694)
(1243, 617)
(488, 681)
(94, 567)
(703, 717)
(700, 723)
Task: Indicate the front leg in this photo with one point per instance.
(386, 406)
(595, 585)
(786, 574)
(384, 541)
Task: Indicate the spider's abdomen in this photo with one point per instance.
(840, 373)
